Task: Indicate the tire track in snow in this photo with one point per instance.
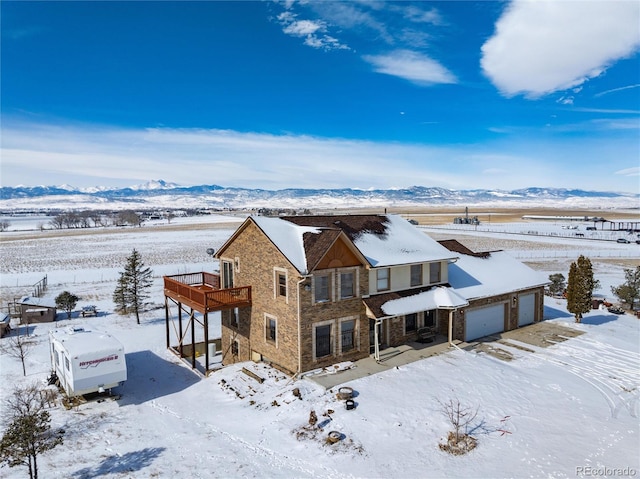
(612, 371)
(277, 460)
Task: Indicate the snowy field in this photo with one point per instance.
(568, 410)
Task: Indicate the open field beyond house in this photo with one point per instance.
(534, 393)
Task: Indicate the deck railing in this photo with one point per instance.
(203, 289)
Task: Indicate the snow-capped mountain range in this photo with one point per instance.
(163, 194)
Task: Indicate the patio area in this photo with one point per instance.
(389, 358)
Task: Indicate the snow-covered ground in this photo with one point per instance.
(567, 410)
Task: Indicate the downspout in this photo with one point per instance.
(304, 278)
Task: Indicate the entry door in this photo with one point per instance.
(227, 274)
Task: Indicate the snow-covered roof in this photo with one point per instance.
(498, 273)
(288, 238)
(79, 340)
(42, 302)
(402, 243)
(383, 240)
(441, 297)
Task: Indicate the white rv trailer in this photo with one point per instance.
(86, 361)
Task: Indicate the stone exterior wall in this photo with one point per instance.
(314, 313)
(257, 258)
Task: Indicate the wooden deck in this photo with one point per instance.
(202, 292)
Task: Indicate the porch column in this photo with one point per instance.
(451, 326)
(376, 340)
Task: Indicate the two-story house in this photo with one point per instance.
(328, 289)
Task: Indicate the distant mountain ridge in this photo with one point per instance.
(160, 193)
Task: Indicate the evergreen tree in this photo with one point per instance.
(133, 285)
(67, 302)
(29, 431)
(119, 295)
(580, 287)
(558, 283)
(629, 291)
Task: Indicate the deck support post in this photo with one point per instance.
(166, 323)
(193, 339)
(206, 342)
(180, 330)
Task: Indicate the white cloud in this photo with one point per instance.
(413, 66)
(635, 171)
(547, 45)
(614, 90)
(418, 15)
(84, 156)
(313, 32)
(301, 28)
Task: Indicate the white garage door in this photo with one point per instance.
(526, 309)
(484, 321)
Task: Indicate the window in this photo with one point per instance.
(383, 279)
(430, 318)
(321, 288)
(57, 356)
(434, 273)
(410, 322)
(280, 279)
(282, 284)
(235, 317)
(323, 340)
(66, 363)
(270, 328)
(347, 335)
(235, 348)
(416, 274)
(347, 286)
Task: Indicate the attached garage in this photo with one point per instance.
(484, 321)
(526, 309)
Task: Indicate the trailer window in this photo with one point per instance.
(66, 363)
(57, 354)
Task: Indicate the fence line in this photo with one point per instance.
(569, 234)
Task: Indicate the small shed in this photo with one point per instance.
(37, 310)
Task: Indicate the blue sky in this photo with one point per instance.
(361, 94)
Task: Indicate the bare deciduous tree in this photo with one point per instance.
(460, 417)
(18, 346)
